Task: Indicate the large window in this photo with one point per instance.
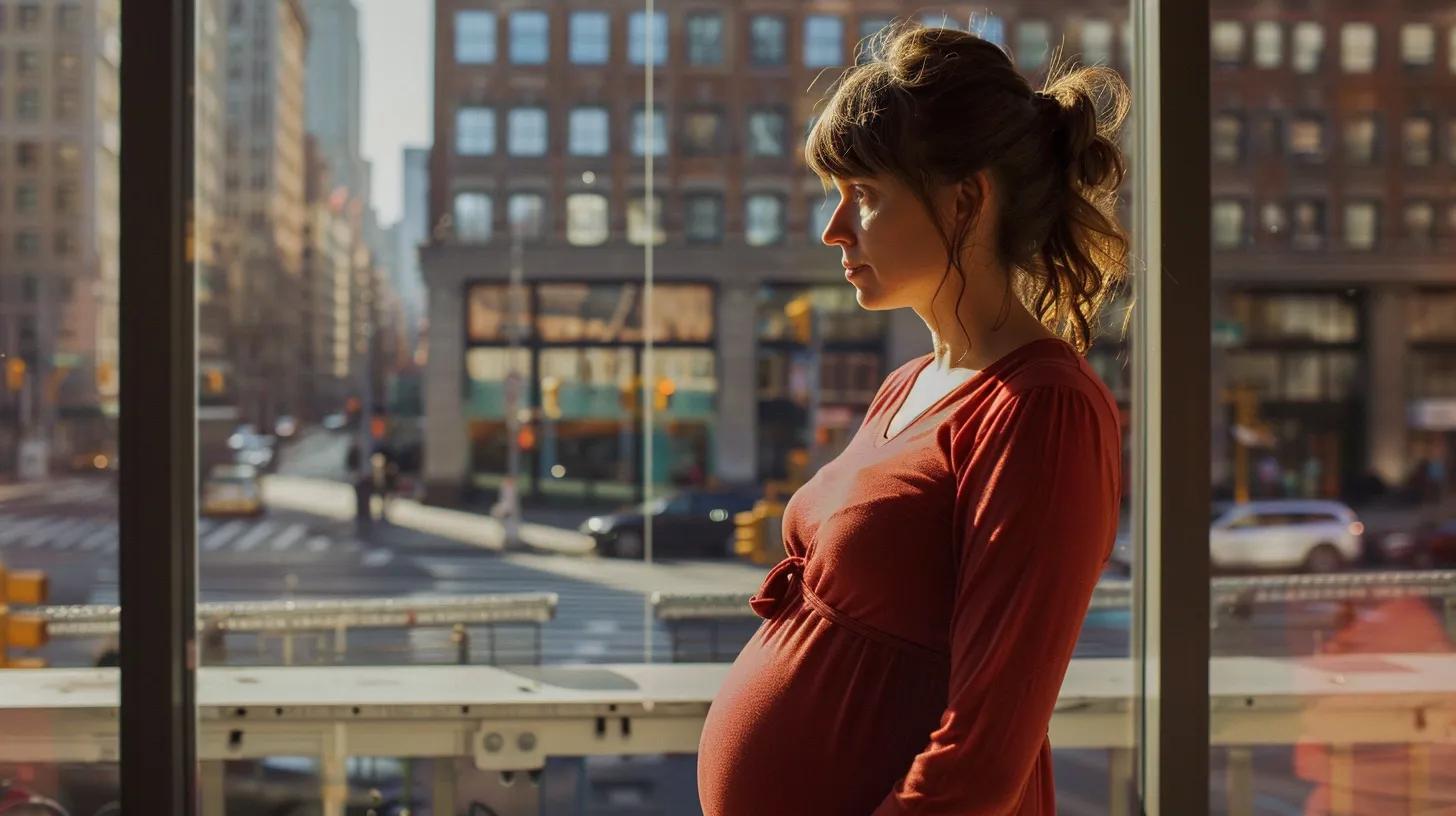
(703, 133)
(823, 41)
(638, 28)
(765, 133)
(475, 131)
(705, 39)
(644, 220)
(530, 37)
(589, 132)
(527, 132)
(586, 219)
(1358, 50)
(703, 218)
(767, 40)
(641, 136)
(764, 222)
(473, 217)
(475, 37)
(591, 37)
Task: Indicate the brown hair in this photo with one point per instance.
(936, 105)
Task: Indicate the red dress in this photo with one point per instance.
(917, 633)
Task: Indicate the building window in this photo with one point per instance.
(26, 198)
(638, 231)
(1227, 42)
(27, 63)
(637, 38)
(821, 210)
(1362, 224)
(27, 244)
(64, 244)
(475, 131)
(67, 104)
(587, 132)
(27, 155)
(1268, 44)
(639, 132)
(1309, 47)
(526, 214)
(703, 133)
(69, 18)
(1307, 138)
(1362, 133)
(530, 37)
(1268, 134)
(1228, 224)
(29, 17)
(65, 198)
(990, 28)
(703, 221)
(1228, 138)
(705, 39)
(1308, 232)
(591, 37)
(1418, 45)
(765, 221)
(526, 132)
(1357, 48)
(765, 133)
(1097, 42)
(1420, 223)
(1273, 219)
(586, 219)
(1033, 42)
(27, 104)
(767, 37)
(474, 37)
(472, 217)
(823, 41)
(1418, 135)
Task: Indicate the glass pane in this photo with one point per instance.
(59, 396)
(1334, 434)
(443, 363)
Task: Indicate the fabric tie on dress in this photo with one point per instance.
(784, 581)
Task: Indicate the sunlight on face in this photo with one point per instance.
(884, 231)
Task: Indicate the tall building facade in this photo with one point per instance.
(265, 192)
(1334, 231)
(763, 361)
(335, 82)
(59, 228)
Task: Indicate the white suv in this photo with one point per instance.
(1312, 535)
(1309, 535)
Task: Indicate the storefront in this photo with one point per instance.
(580, 364)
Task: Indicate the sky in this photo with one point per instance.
(397, 37)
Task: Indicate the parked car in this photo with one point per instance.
(1307, 535)
(1276, 534)
(1430, 545)
(687, 523)
(232, 490)
(285, 427)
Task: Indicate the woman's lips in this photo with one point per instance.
(851, 272)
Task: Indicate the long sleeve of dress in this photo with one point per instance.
(1036, 513)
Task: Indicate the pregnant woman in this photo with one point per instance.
(916, 636)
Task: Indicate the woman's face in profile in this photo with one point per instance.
(884, 233)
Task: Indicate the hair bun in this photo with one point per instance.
(1082, 132)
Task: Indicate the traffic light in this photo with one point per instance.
(19, 630)
(526, 438)
(663, 395)
(213, 381)
(800, 313)
(15, 374)
(628, 396)
(747, 534)
(104, 373)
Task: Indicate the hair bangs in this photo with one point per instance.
(850, 138)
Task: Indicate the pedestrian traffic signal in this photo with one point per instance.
(526, 438)
(15, 374)
(21, 631)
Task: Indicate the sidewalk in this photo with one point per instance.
(335, 500)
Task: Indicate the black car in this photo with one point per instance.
(685, 524)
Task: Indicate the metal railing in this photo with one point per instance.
(1233, 597)
(287, 618)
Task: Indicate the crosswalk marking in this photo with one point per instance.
(75, 534)
(14, 531)
(289, 537)
(255, 536)
(222, 535)
(54, 534)
(318, 544)
(106, 533)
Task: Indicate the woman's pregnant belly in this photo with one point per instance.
(814, 718)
